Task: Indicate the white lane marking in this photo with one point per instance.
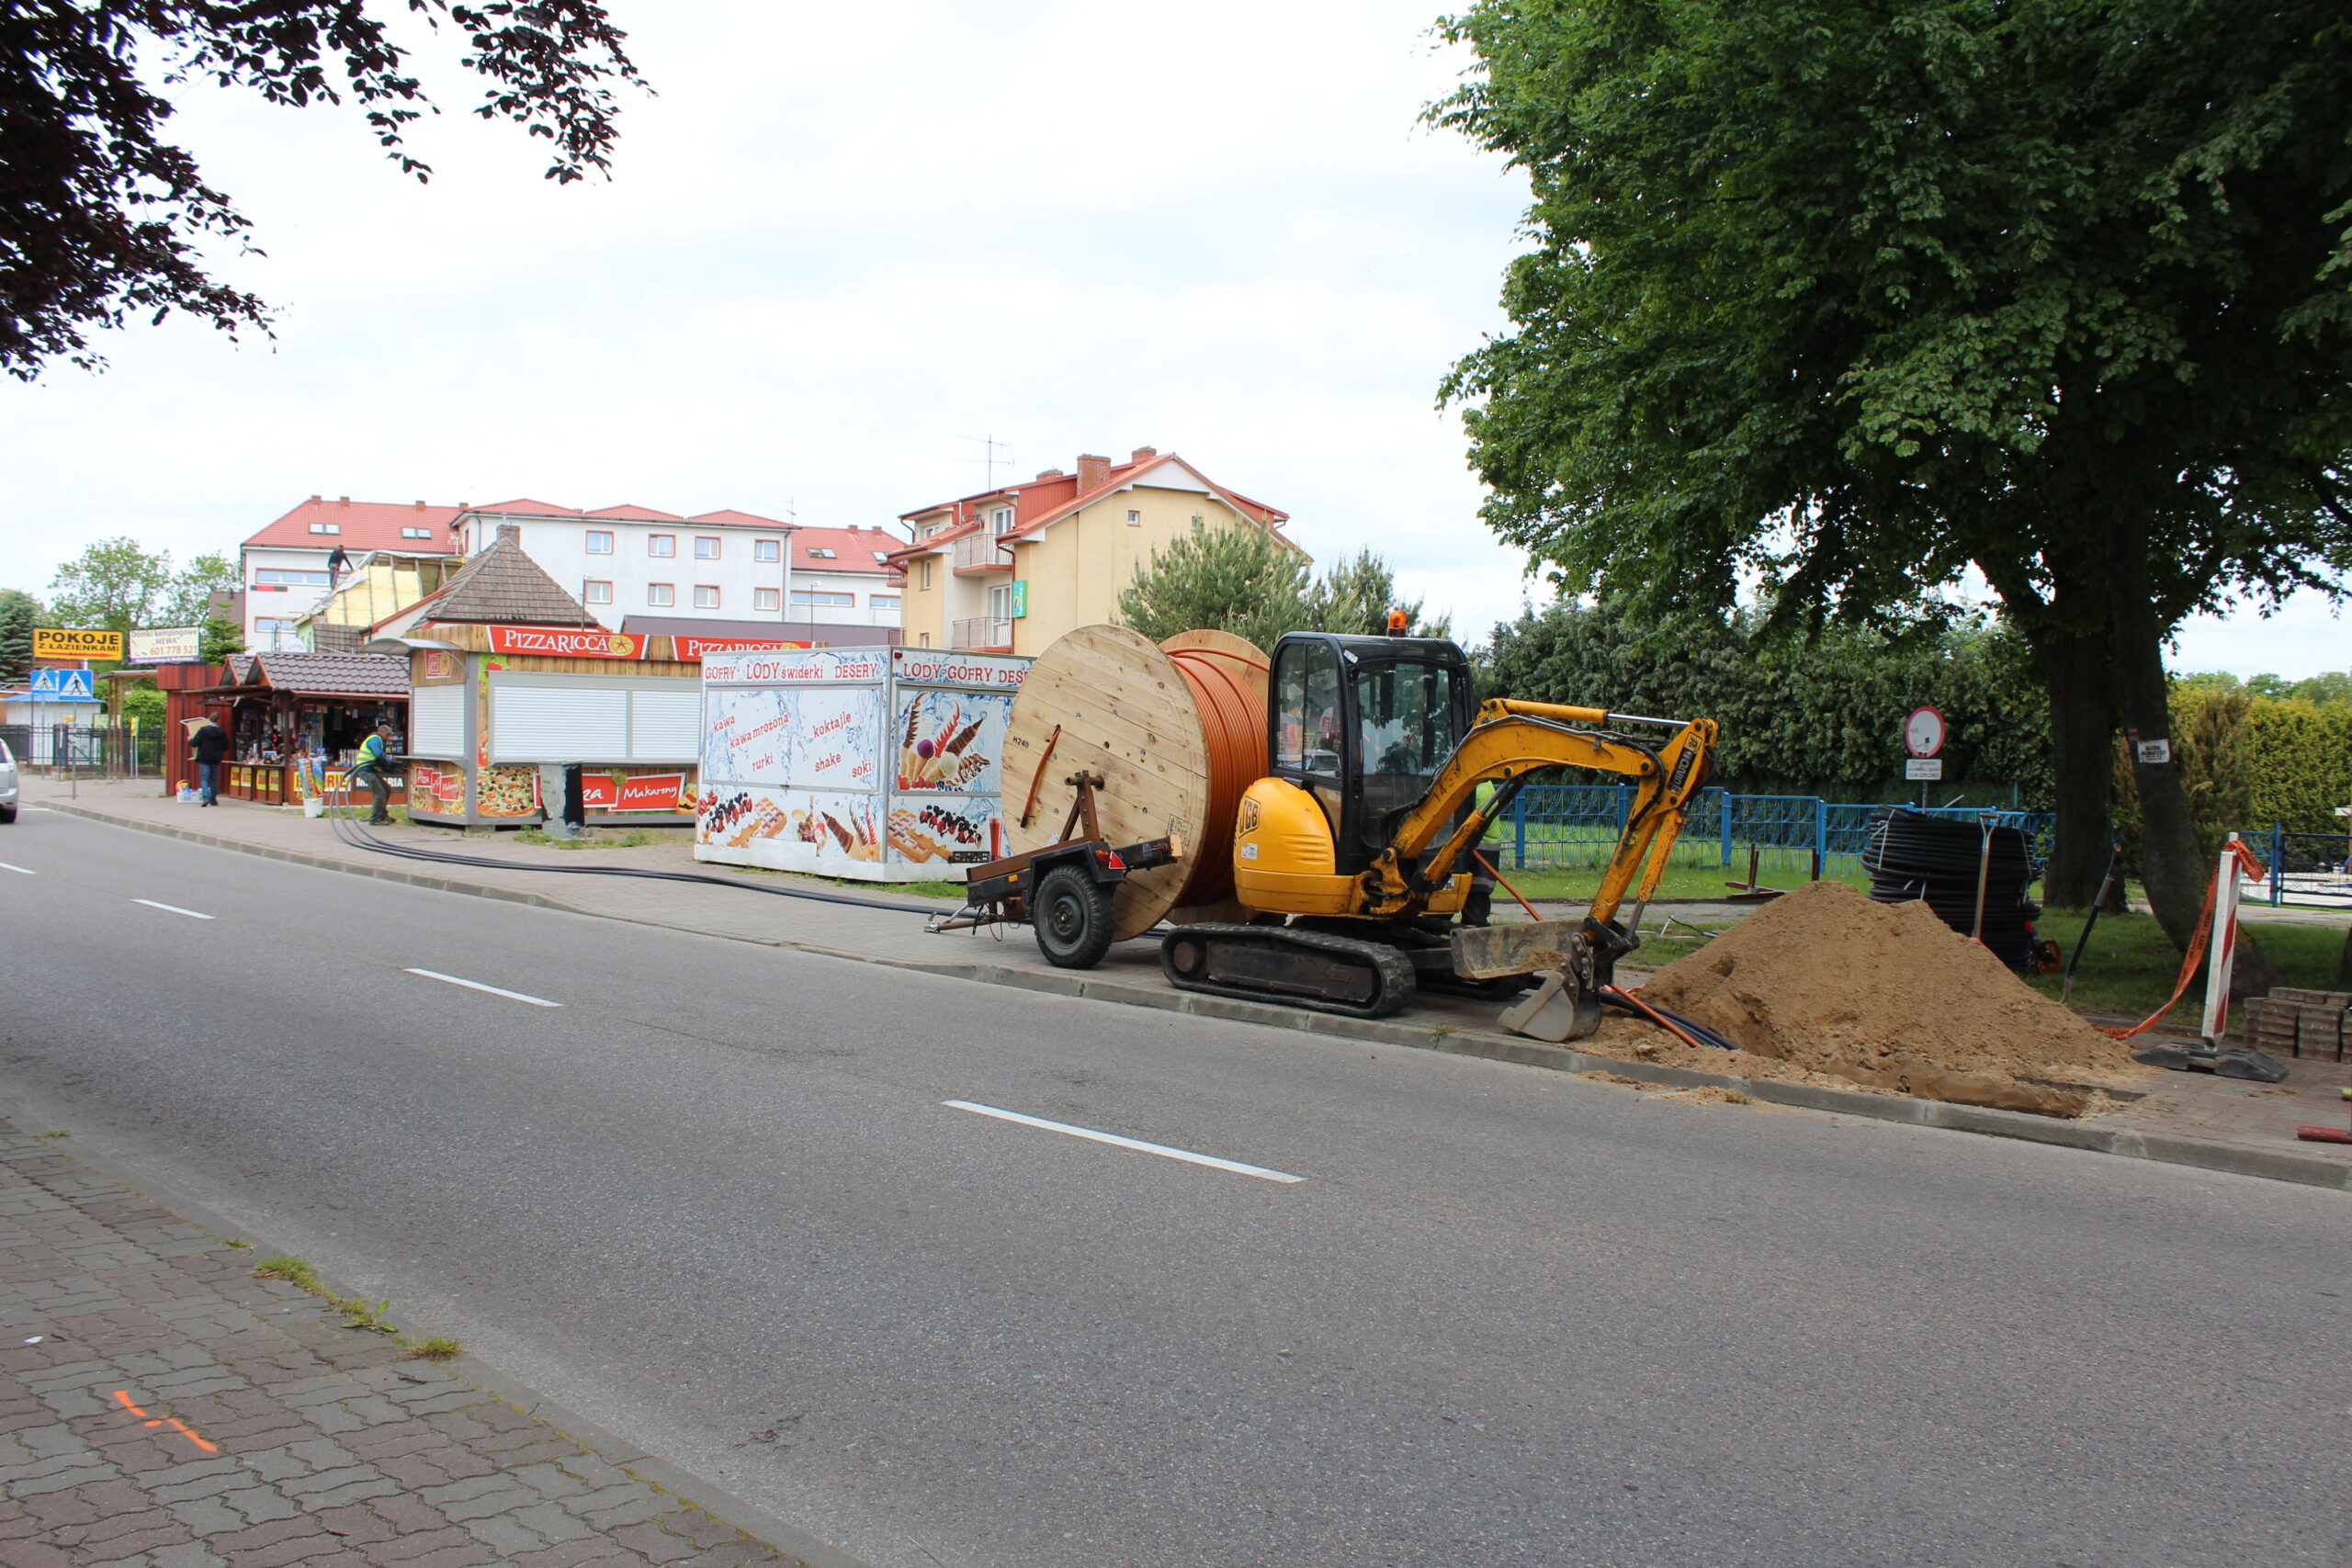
(1213, 1163)
(173, 908)
(478, 986)
(19, 870)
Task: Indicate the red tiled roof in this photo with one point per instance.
(854, 549)
(629, 512)
(730, 518)
(1049, 497)
(359, 525)
(530, 508)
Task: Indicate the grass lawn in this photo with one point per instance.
(2131, 965)
(1679, 881)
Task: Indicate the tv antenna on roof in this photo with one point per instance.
(990, 447)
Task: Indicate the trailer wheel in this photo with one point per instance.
(1072, 914)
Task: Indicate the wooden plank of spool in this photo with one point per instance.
(1247, 666)
(1127, 714)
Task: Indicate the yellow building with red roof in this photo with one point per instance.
(1009, 571)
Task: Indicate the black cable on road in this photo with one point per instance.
(358, 838)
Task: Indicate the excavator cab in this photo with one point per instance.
(1363, 724)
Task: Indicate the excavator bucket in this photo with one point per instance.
(1559, 1009)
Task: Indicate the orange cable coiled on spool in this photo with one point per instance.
(1233, 719)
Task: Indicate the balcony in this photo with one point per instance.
(983, 634)
(981, 552)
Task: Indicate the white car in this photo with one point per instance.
(7, 784)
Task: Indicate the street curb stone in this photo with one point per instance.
(729, 1509)
(2265, 1164)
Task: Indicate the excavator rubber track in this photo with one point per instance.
(1293, 967)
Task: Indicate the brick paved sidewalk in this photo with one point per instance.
(160, 1407)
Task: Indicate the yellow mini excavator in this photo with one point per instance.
(1355, 850)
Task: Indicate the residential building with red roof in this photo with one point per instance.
(286, 565)
(633, 563)
(624, 562)
(1009, 571)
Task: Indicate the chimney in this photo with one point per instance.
(420, 506)
(345, 502)
(1143, 455)
(314, 500)
(1094, 472)
(1053, 474)
(512, 531)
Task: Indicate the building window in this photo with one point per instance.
(767, 549)
(600, 542)
(291, 579)
(818, 599)
(661, 596)
(326, 527)
(416, 533)
(820, 552)
(1001, 603)
(706, 547)
(268, 625)
(1135, 519)
(705, 596)
(765, 598)
(1000, 520)
(926, 577)
(882, 601)
(662, 544)
(596, 593)
(925, 639)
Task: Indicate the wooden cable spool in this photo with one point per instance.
(1176, 734)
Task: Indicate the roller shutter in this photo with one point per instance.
(558, 724)
(665, 724)
(436, 721)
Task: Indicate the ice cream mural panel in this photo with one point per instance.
(949, 741)
(879, 764)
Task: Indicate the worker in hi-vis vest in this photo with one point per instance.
(1476, 907)
(369, 765)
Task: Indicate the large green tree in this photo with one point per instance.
(190, 603)
(1851, 297)
(19, 614)
(1246, 582)
(115, 584)
(105, 219)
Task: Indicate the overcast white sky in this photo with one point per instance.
(839, 241)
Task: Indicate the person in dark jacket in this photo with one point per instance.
(211, 744)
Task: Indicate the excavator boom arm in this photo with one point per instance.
(1514, 739)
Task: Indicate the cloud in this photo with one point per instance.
(839, 241)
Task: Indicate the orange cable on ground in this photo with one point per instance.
(1497, 872)
(1233, 721)
(2197, 944)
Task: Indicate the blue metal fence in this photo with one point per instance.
(2311, 869)
(1577, 825)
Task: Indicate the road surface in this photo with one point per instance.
(719, 1198)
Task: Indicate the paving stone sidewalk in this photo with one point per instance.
(161, 1407)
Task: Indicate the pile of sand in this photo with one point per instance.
(1889, 996)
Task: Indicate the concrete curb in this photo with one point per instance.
(2309, 1171)
(725, 1506)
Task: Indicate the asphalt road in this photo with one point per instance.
(716, 1200)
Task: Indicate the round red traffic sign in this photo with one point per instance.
(1923, 733)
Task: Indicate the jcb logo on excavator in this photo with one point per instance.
(1248, 816)
(1682, 765)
